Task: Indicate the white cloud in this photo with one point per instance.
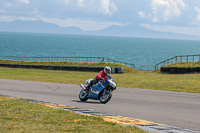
(36, 12)
(66, 2)
(144, 15)
(5, 18)
(84, 24)
(97, 6)
(2, 11)
(80, 3)
(197, 9)
(8, 4)
(107, 7)
(24, 1)
(164, 10)
(174, 29)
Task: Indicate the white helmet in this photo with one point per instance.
(107, 70)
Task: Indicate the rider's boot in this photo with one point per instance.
(91, 83)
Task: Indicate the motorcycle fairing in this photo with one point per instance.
(95, 90)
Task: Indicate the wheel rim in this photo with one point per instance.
(83, 94)
(105, 96)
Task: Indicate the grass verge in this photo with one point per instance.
(145, 80)
(23, 116)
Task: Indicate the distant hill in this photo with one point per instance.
(139, 31)
(37, 27)
(129, 30)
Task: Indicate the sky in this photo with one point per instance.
(177, 16)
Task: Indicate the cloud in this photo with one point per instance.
(5, 18)
(85, 14)
(197, 9)
(107, 7)
(36, 12)
(66, 2)
(174, 29)
(80, 3)
(84, 24)
(144, 15)
(2, 11)
(24, 1)
(164, 10)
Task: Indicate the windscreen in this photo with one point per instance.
(110, 78)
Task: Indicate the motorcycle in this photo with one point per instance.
(102, 90)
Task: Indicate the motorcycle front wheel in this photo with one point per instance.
(83, 95)
(105, 96)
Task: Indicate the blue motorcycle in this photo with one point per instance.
(102, 90)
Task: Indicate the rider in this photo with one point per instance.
(102, 75)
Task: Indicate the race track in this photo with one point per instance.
(171, 108)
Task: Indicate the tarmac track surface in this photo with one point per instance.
(172, 108)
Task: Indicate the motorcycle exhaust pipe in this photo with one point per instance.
(82, 86)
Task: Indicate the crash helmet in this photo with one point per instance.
(107, 70)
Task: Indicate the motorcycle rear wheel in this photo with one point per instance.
(104, 98)
(83, 95)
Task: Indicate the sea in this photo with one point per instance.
(141, 51)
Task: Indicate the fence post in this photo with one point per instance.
(199, 58)
(176, 59)
(193, 58)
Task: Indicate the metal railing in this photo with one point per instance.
(66, 59)
(79, 59)
(178, 59)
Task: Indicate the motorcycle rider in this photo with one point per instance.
(102, 75)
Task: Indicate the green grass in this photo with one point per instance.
(158, 81)
(26, 117)
(185, 65)
(143, 80)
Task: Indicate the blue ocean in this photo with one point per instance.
(141, 51)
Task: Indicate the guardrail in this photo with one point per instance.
(66, 59)
(59, 67)
(79, 59)
(178, 59)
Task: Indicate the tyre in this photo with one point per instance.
(83, 95)
(105, 96)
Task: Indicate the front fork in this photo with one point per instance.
(82, 86)
(106, 90)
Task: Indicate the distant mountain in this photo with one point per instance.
(139, 31)
(129, 30)
(37, 27)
